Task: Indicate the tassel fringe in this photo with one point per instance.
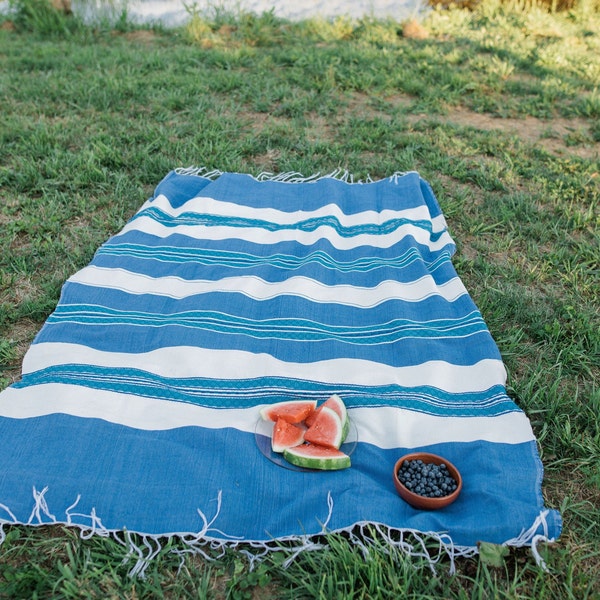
(289, 177)
(432, 547)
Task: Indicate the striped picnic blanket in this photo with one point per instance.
(139, 401)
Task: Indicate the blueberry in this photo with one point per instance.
(426, 479)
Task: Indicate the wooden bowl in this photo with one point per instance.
(423, 502)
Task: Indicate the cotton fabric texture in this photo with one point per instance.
(140, 396)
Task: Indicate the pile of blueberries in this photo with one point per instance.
(426, 479)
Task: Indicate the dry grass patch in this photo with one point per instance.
(552, 135)
(559, 136)
(21, 335)
(145, 36)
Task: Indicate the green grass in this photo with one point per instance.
(499, 109)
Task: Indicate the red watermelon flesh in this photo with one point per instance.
(286, 435)
(292, 411)
(327, 429)
(313, 415)
(335, 403)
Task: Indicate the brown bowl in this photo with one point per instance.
(424, 502)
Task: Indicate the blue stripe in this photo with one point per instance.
(393, 193)
(210, 264)
(246, 393)
(403, 352)
(296, 329)
(296, 310)
(199, 255)
(292, 250)
(159, 481)
(181, 188)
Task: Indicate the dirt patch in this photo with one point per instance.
(319, 129)
(559, 136)
(363, 104)
(267, 162)
(316, 129)
(258, 122)
(21, 290)
(141, 35)
(552, 135)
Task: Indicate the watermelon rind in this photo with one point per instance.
(311, 456)
(337, 404)
(326, 430)
(345, 429)
(292, 411)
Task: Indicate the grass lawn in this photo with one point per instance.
(498, 108)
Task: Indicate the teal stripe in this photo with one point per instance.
(286, 261)
(247, 393)
(277, 328)
(307, 225)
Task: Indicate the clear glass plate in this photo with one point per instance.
(264, 431)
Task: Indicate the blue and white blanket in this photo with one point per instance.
(140, 396)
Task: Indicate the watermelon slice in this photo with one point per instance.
(327, 429)
(313, 415)
(286, 435)
(292, 411)
(311, 456)
(337, 404)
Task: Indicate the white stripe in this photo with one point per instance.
(383, 427)
(186, 361)
(306, 238)
(206, 205)
(393, 427)
(258, 289)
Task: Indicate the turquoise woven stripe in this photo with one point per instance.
(210, 220)
(205, 256)
(245, 393)
(275, 328)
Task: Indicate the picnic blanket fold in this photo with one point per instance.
(139, 398)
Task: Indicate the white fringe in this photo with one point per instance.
(365, 535)
(528, 537)
(10, 514)
(207, 524)
(199, 171)
(40, 507)
(4, 522)
(144, 558)
(96, 527)
(413, 543)
(288, 177)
